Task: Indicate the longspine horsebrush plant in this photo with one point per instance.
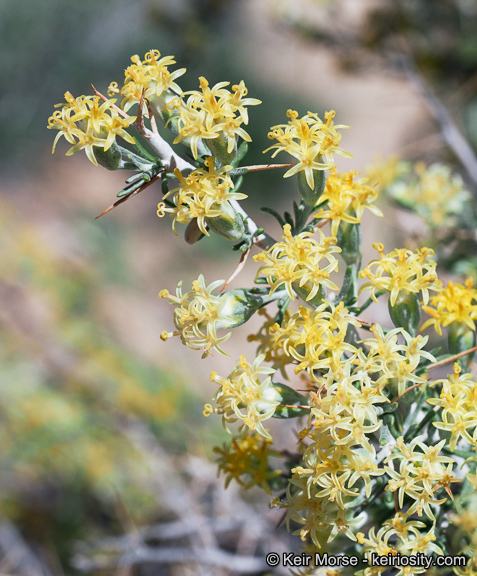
(385, 462)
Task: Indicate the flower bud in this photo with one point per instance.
(229, 225)
(461, 338)
(218, 147)
(110, 158)
(349, 240)
(304, 291)
(406, 312)
(311, 195)
(242, 303)
(291, 402)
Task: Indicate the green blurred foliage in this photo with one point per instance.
(70, 393)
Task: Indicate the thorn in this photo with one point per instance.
(121, 200)
(152, 119)
(237, 271)
(118, 110)
(257, 167)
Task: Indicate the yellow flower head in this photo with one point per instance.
(344, 412)
(320, 519)
(346, 198)
(297, 261)
(151, 75)
(268, 342)
(421, 474)
(202, 195)
(394, 363)
(213, 113)
(243, 397)
(458, 400)
(401, 270)
(384, 172)
(316, 339)
(198, 315)
(457, 303)
(88, 122)
(308, 139)
(434, 193)
(245, 459)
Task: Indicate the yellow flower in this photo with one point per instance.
(202, 195)
(401, 270)
(384, 172)
(269, 344)
(391, 540)
(346, 413)
(394, 363)
(421, 474)
(346, 198)
(296, 263)
(316, 339)
(246, 460)
(87, 124)
(457, 303)
(377, 543)
(198, 315)
(213, 113)
(320, 519)
(458, 400)
(308, 139)
(243, 397)
(434, 194)
(151, 75)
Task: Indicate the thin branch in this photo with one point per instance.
(239, 268)
(408, 390)
(452, 358)
(449, 130)
(322, 223)
(437, 365)
(204, 556)
(303, 407)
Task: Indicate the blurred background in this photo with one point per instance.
(103, 447)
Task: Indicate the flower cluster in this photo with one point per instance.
(245, 459)
(434, 193)
(421, 474)
(398, 535)
(203, 195)
(320, 520)
(458, 400)
(385, 172)
(295, 263)
(371, 434)
(391, 363)
(308, 139)
(346, 197)
(150, 76)
(401, 271)
(213, 113)
(340, 456)
(243, 397)
(315, 339)
(270, 342)
(198, 315)
(87, 124)
(456, 304)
